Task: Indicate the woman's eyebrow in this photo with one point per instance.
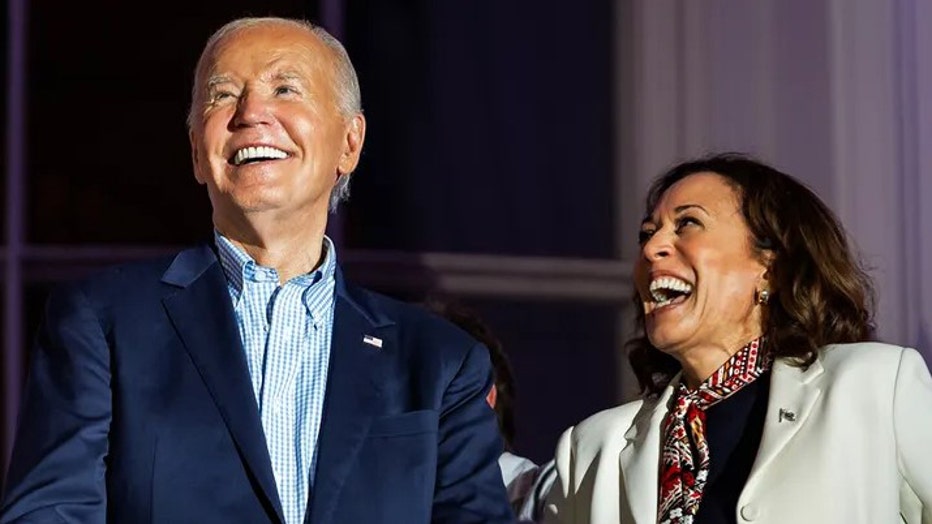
(686, 207)
(677, 210)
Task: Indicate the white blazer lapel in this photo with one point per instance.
(640, 458)
(793, 393)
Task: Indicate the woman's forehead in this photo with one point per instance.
(708, 190)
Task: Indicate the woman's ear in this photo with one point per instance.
(767, 258)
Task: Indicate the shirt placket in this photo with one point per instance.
(310, 377)
(254, 305)
(279, 418)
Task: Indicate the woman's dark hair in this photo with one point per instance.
(819, 292)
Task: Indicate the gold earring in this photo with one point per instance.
(763, 296)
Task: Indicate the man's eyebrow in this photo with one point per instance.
(216, 80)
(287, 74)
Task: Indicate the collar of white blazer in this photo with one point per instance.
(793, 393)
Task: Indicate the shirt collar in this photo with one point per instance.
(238, 267)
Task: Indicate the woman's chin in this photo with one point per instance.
(668, 339)
(661, 341)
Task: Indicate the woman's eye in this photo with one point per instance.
(644, 235)
(684, 222)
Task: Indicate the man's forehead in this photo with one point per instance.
(271, 35)
(277, 69)
(271, 59)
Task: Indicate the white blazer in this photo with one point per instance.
(853, 445)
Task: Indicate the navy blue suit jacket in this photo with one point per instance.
(138, 408)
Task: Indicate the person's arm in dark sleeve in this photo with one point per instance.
(469, 481)
(57, 469)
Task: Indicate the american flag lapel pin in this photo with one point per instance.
(372, 341)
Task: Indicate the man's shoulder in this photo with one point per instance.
(418, 329)
(142, 274)
(406, 315)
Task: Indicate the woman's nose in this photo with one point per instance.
(656, 247)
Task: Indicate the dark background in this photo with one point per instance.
(490, 132)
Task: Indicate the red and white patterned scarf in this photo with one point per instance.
(684, 468)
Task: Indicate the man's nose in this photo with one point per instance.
(251, 109)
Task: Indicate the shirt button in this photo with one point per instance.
(749, 512)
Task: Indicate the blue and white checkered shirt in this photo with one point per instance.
(286, 333)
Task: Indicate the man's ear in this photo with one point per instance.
(352, 144)
(195, 158)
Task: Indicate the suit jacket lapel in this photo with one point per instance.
(640, 458)
(793, 393)
(203, 316)
(352, 397)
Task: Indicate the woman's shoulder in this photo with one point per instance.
(612, 421)
(862, 363)
(597, 435)
(864, 355)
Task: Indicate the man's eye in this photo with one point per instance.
(219, 96)
(285, 90)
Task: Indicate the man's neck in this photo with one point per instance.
(291, 251)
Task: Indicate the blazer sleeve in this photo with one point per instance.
(912, 423)
(532, 510)
(57, 470)
(559, 504)
(469, 486)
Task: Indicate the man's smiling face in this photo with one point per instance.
(267, 134)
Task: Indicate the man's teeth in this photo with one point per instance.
(258, 152)
(665, 289)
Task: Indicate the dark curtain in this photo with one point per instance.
(489, 126)
(490, 131)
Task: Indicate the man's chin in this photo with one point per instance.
(252, 208)
(257, 201)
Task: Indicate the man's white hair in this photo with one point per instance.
(346, 88)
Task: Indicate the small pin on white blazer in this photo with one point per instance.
(786, 415)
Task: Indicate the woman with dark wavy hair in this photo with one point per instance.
(763, 399)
